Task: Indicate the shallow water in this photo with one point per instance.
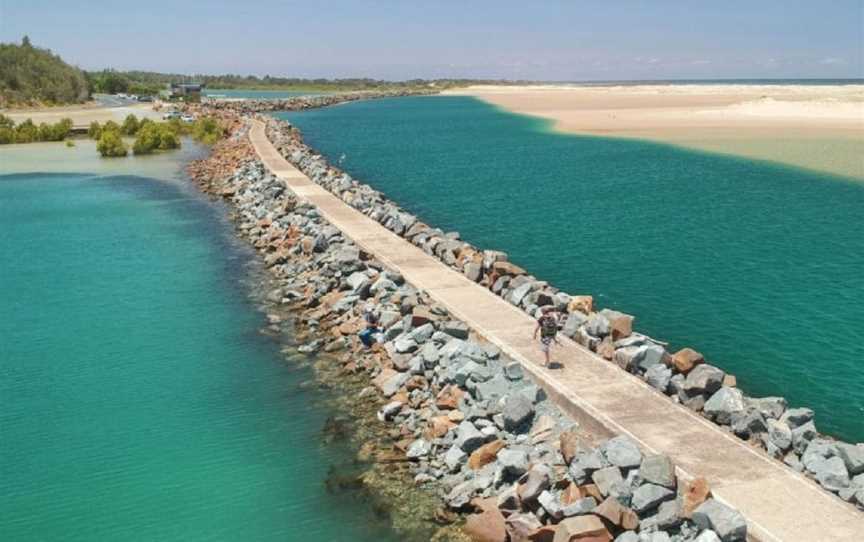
(758, 266)
(259, 94)
(139, 400)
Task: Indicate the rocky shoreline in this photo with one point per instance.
(461, 417)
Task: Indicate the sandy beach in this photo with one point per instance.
(811, 126)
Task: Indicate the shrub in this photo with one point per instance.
(26, 132)
(55, 132)
(153, 136)
(111, 144)
(6, 122)
(111, 126)
(207, 130)
(94, 131)
(130, 125)
(7, 135)
(70, 143)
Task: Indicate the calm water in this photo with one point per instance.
(760, 267)
(139, 401)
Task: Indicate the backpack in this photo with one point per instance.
(548, 326)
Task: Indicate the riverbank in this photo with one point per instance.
(481, 265)
(817, 127)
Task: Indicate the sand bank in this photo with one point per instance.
(817, 127)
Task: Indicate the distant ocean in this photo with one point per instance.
(635, 82)
(759, 266)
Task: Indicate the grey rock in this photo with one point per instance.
(513, 371)
(649, 355)
(802, 435)
(423, 333)
(780, 435)
(405, 344)
(461, 494)
(628, 536)
(574, 320)
(649, 496)
(707, 536)
(724, 404)
(520, 525)
(659, 377)
(622, 452)
(668, 516)
(518, 412)
(454, 458)
(456, 329)
(584, 464)
(747, 423)
(605, 478)
(703, 379)
(726, 522)
(853, 457)
(656, 536)
(831, 473)
(473, 370)
(579, 508)
(493, 389)
(389, 411)
(513, 461)
(769, 407)
(550, 502)
(419, 448)
(796, 417)
(468, 437)
(658, 470)
(597, 325)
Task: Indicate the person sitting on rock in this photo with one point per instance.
(547, 325)
(367, 334)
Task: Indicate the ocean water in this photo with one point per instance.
(138, 400)
(258, 94)
(759, 266)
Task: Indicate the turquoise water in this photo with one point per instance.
(138, 401)
(759, 266)
(258, 94)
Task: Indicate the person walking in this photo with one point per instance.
(547, 327)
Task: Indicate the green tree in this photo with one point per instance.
(31, 75)
(111, 144)
(94, 131)
(111, 126)
(147, 140)
(168, 138)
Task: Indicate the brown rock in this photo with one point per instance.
(543, 534)
(520, 526)
(382, 378)
(581, 303)
(591, 490)
(307, 244)
(582, 528)
(438, 427)
(569, 444)
(485, 454)
(606, 348)
(621, 326)
(695, 493)
(448, 398)
(416, 382)
(616, 515)
(507, 268)
(571, 494)
(685, 359)
(730, 381)
(420, 316)
(488, 526)
(455, 416)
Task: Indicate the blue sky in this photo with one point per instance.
(541, 40)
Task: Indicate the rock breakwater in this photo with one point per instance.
(461, 417)
(784, 433)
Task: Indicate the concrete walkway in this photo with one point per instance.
(778, 503)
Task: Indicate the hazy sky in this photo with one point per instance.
(544, 40)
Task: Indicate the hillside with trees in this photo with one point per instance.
(35, 76)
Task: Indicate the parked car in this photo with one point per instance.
(133, 97)
(145, 98)
(187, 118)
(168, 115)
